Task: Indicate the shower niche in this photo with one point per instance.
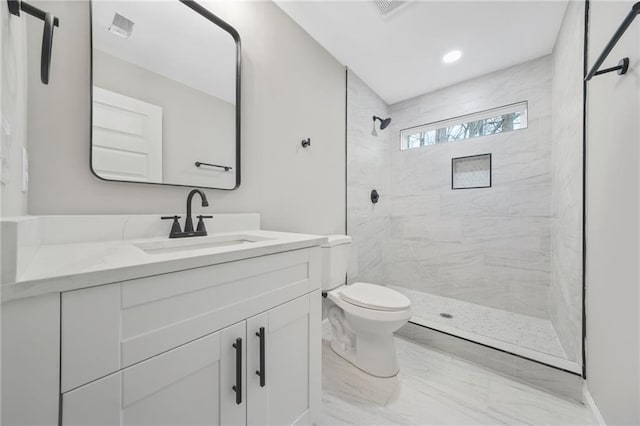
(471, 172)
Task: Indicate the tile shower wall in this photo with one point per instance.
(367, 169)
(565, 304)
(488, 246)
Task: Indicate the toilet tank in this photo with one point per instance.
(335, 260)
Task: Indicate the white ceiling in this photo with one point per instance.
(172, 40)
(400, 55)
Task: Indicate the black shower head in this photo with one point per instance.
(384, 123)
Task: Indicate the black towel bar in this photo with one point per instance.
(50, 21)
(226, 168)
(15, 6)
(623, 65)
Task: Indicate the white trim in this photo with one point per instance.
(591, 403)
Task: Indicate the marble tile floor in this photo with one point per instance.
(433, 388)
(515, 329)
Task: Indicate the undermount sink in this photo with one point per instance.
(198, 243)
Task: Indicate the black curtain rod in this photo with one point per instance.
(623, 65)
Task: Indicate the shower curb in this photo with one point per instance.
(559, 382)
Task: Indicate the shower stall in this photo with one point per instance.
(479, 219)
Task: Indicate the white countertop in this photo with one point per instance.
(73, 265)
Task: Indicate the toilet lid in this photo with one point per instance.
(374, 296)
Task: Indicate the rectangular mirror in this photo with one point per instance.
(165, 94)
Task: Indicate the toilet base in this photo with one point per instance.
(373, 354)
(364, 337)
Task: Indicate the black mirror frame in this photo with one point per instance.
(195, 6)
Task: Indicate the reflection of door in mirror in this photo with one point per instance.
(127, 138)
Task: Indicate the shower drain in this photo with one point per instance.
(446, 315)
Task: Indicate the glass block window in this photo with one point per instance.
(484, 123)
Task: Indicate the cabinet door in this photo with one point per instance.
(190, 385)
(233, 377)
(291, 371)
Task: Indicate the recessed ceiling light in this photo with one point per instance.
(452, 56)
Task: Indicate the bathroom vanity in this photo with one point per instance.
(107, 321)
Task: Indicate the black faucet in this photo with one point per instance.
(201, 230)
(188, 223)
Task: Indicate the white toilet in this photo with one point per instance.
(363, 316)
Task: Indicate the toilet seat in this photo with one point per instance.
(373, 296)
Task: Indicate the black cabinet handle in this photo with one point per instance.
(238, 387)
(261, 372)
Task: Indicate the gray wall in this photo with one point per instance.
(565, 296)
(196, 126)
(367, 169)
(486, 246)
(612, 234)
(13, 128)
(292, 89)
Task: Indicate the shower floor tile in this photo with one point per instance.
(489, 325)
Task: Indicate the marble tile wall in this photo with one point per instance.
(565, 297)
(488, 246)
(367, 168)
(515, 246)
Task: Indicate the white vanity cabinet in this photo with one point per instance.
(214, 380)
(105, 321)
(284, 386)
(189, 385)
(177, 348)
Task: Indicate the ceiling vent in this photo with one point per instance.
(387, 6)
(121, 26)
